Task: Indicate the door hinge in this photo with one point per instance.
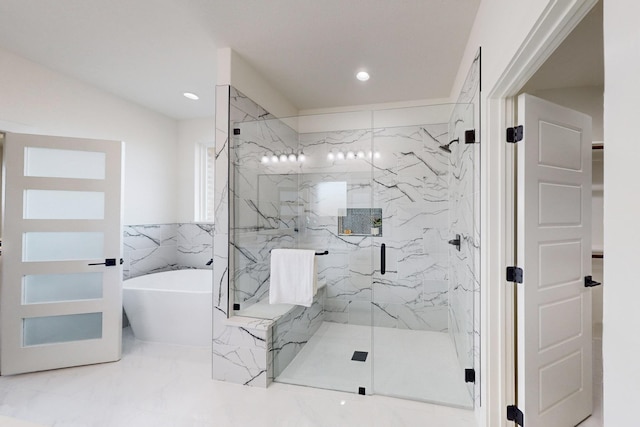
(469, 375)
(470, 136)
(590, 283)
(515, 134)
(515, 414)
(514, 274)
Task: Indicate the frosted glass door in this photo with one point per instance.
(60, 289)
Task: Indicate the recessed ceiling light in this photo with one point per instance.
(363, 76)
(191, 96)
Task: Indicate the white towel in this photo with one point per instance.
(293, 277)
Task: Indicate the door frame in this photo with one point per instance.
(498, 168)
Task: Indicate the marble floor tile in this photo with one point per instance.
(166, 385)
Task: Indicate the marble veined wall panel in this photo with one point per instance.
(153, 248)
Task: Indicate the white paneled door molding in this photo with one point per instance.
(554, 251)
(61, 279)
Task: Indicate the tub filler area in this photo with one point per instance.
(172, 307)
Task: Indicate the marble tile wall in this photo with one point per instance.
(257, 224)
(408, 184)
(240, 348)
(292, 331)
(464, 284)
(298, 205)
(152, 248)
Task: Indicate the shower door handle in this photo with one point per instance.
(383, 260)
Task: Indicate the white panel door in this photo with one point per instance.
(61, 279)
(554, 251)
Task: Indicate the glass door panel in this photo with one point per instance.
(335, 189)
(40, 288)
(301, 183)
(464, 277)
(61, 163)
(57, 204)
(59, 329)
(414, 355)
(62, 246)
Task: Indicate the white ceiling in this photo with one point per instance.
(150, 51)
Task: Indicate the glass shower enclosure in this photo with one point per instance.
(386, 199)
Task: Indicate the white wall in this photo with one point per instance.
(621, 337)
(235, 71)
(192, 134)
(41, 101)
(501, 28)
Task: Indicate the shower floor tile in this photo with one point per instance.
(420, 365)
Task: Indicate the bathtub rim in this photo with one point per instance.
(142, 283)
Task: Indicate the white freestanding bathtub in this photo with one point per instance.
(171, 307)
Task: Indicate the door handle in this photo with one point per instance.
(109, 262)
(590, 283)
(455, 242)
(383, 258)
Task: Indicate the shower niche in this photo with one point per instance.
(360, 222)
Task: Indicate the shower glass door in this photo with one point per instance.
(331, 347)
(383, 197)
(416, 317)
(305, 183)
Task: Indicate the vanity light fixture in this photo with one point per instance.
(283, 157)
(191, 96)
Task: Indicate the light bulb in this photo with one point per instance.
(361, 154)
(265, 158)
(274, 159)
(370, 154)
(283, 157)
(363, 76)
(292, 157)
(301, 157)
(340, 155)
(331, 156)
(377, 155)
(350, 155)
